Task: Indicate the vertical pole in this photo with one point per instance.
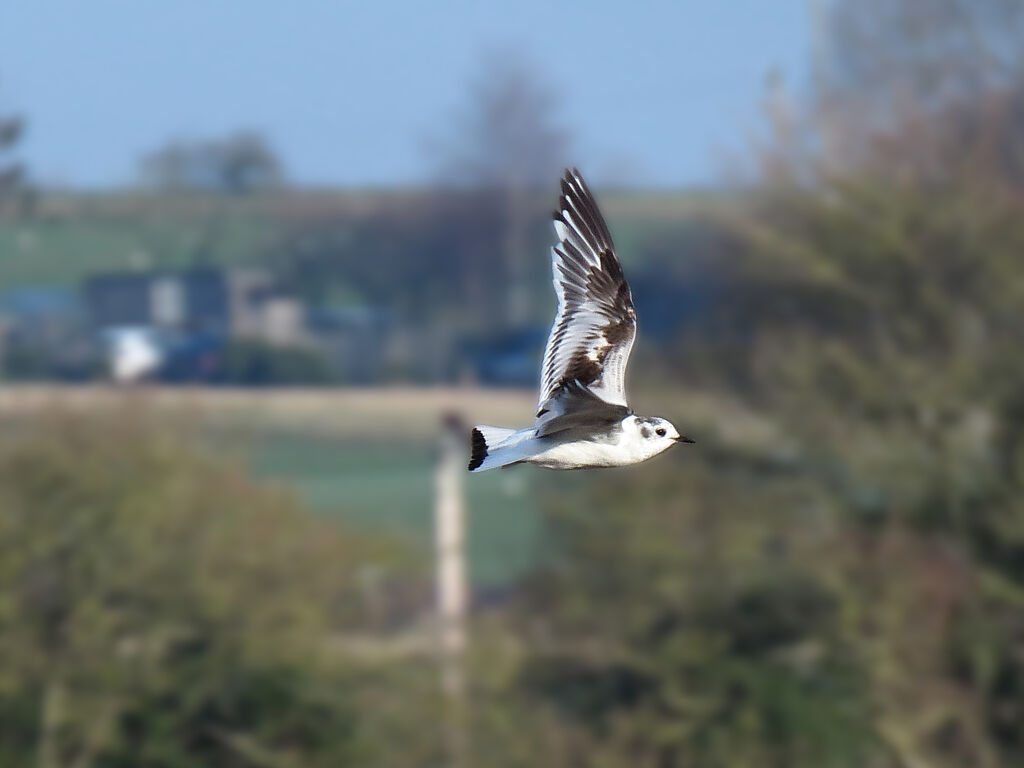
(449, 527)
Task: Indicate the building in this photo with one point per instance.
(188, 317)
(210, 301)
(233, 303)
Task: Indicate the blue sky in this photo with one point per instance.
(347, 92)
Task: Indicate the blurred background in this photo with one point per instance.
(252, 254)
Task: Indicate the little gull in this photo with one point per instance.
(583, 419)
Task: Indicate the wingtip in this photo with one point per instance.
(478, 446)
(566, 186)
(573, 187)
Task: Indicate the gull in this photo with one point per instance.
(583, 418)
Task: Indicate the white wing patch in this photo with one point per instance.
(595, 327)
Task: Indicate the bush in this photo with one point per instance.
(159, 609)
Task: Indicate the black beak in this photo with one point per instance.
(684, 439)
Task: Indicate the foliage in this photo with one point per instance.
(239, 163)
(851, 595)
(157, 609)
(12, 173)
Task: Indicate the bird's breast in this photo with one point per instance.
(585, 453)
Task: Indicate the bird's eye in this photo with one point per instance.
(660, 431)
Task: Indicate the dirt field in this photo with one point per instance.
(383, 412)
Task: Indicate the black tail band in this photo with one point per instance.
(479, 449)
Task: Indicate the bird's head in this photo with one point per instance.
(657, 434)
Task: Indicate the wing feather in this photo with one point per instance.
(595, 326)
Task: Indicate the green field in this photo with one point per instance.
(79, 239)
(389, 485)
(366, 457)
(73, 236)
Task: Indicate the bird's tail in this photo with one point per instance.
(492, 447)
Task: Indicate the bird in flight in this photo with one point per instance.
(583, 419)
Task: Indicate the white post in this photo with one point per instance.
(449, 527)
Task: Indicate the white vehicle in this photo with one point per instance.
(133, 353)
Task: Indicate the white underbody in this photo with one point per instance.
(616, 448)
(584, 453)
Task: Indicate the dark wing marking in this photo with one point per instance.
(574, 407)
(595, 327)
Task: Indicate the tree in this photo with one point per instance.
(506, 143)
(237, 164)
(507, 132)
(12, 172)
(11, 130)
(923, 88)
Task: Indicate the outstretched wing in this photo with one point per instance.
(595, 327)
(574, 408)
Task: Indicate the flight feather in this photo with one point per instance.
(595, 325)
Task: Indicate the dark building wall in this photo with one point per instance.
(127, 299)
(121, 299)
(207, 301)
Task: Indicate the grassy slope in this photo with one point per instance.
(76, 235)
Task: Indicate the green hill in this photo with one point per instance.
(71, 236)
